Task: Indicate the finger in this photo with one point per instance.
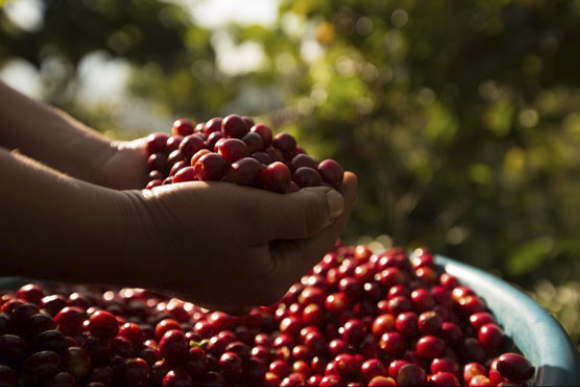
(299, 215)
(298, 256)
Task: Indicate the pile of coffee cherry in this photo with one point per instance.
(358, 318)
(236, 150)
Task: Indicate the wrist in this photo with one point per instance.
(56, 227)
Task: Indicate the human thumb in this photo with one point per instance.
(299, 215)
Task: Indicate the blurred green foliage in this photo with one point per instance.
(461, 119)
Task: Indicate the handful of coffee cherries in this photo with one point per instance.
(237, 150)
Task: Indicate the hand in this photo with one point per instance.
(123, 165)
(228, 247)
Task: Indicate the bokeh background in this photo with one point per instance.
(461, 118)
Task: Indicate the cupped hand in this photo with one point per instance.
(229, 247)
(123, 165)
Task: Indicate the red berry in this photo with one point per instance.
(173, 144)
(185, 174)
(173, 346)
(156, 143)
(382, 324)
(430, 347)
(477, 320)
(70, 320)
(354, 331)
(249, 121)
(232, 149)
(331, 172)
(407, 324)
(302, 160)
(393, 343)
(133, 333)
(177, 377)
(443, 364)
(515, 367)
(32, 293)
(154, 183)
(221, 321)
(276, 177)
(490, 336)
(315, 343)
(430, 323)
(494, 375)
(77, 361)
(306, 177)
(254, 142)
(331, 381)
(247, 171)
(480, 381)
(274, 153)
(422, 299)
(234, 126)
(165, 326)
(190, 145)
(294, 379)
(262, 157)
(471, 370)
(158, 162)
(264, 132)
(398, 305)
(136, 372)
(443, 379)
(471, 304)
(213, 125)
(183, 127)
(174, 157)
(210, 167)
(448, 281)
(197, 156)
(53, 304)
(286, 143)
(346, 366)
(280, 368)
(336, 303)
(451, 333)
(382, 381)
(178, 166)
(373, 368)
(395, 366)
(411, 375)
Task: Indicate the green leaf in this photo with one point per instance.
(528, 257)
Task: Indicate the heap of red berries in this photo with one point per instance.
(237, 150)
(357, 319)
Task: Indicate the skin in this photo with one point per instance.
(71, 210)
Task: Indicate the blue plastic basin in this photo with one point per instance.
(537, 334)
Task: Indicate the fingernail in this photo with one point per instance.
(335, 203)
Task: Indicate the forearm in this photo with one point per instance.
(50, 136)
(56, 227)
